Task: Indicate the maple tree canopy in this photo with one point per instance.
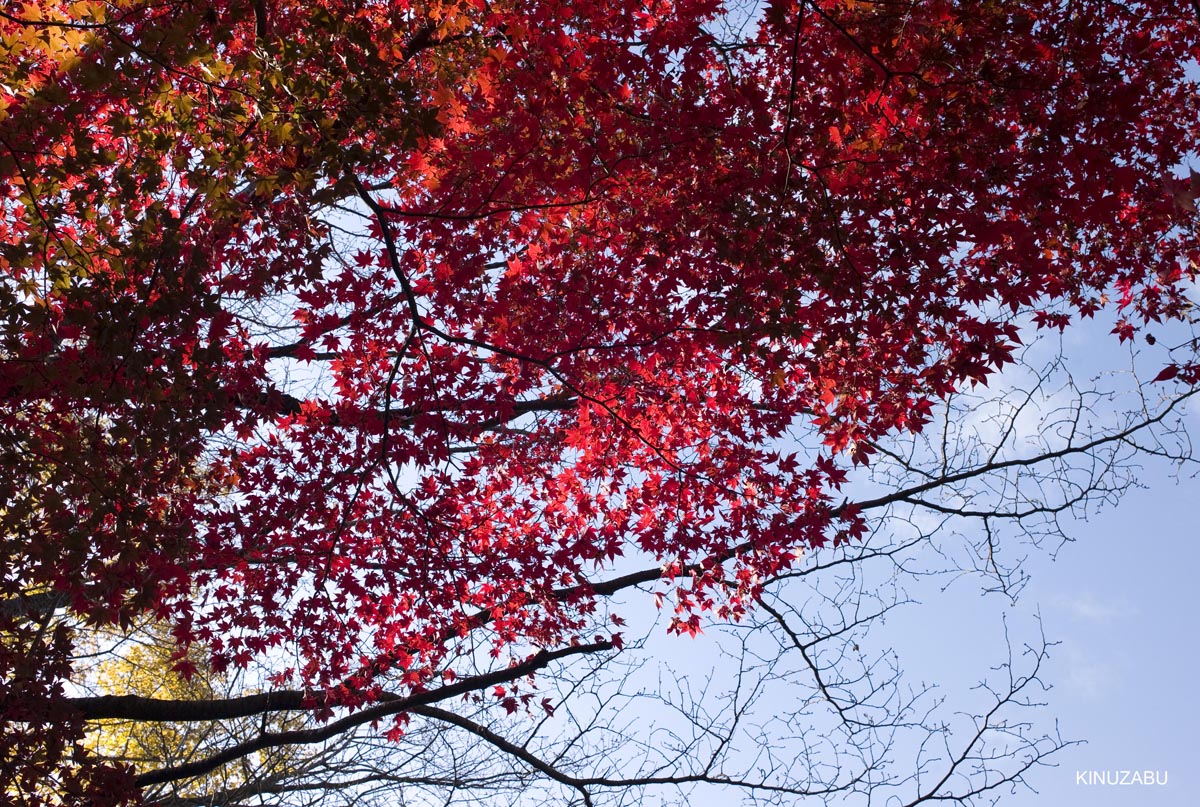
(341, 333)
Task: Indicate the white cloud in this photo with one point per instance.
(1088, 678)
(1087, 607)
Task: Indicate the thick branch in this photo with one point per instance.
(582, 782)
(33, 605)
(148, 709)
(391, 707)
(166, 710)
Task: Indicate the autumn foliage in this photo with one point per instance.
(342, 334)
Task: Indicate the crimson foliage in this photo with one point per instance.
(341, 331)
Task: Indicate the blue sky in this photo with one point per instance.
(1121, 600)
(1117, 600)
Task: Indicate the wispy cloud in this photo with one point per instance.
(1087, 677)
(1087, 607)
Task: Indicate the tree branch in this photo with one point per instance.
(391, 707)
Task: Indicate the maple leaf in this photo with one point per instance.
(578, 273)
